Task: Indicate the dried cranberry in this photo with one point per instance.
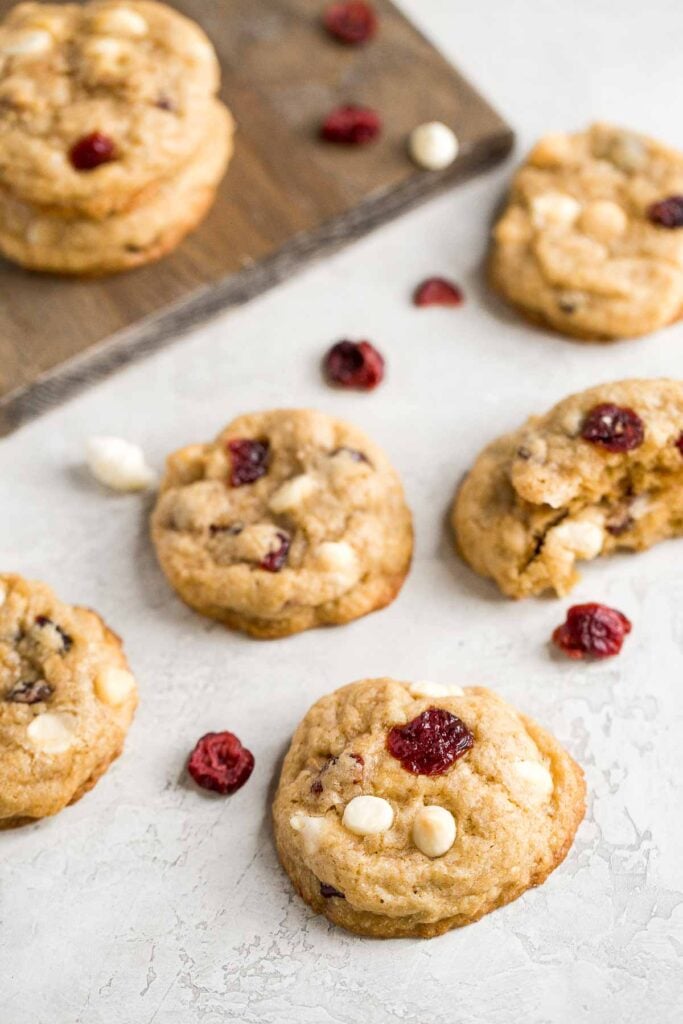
(220, 762)
(66, 640)
(30, 692)
(613, 427)
(354, 364)
(431, 743)
(592, 630)
(165, 103)
(351, 125)
(317, 787)
(249, 461)
(328, 891)
(91, 151)
(667, 213)
(276, 558)
(436, 291)
(353, 22)
(679, 442)
(359, 759)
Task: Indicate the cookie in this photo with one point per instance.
(290, 519)
(41, 240)
(67, 699)
(602, 471)
(583, 245)
(135, 74)
(409, 809)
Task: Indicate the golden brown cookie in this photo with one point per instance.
(100, 102)
(591, 242)
(42, 240)
(409, 809)
(67, 699)
(602, 471)
(290, 519)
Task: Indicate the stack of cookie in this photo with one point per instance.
(112, 139)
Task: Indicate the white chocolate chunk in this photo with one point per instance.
(581, 538)
(114, 686)
(292, 493)
(434, 831)
(336, 556)
(27, 44)
(118, 464)
(51, 733)
(537, 780)
(556, 209)
(368, 815)
(122, 21)
(425, 688)
(603, 220)
(311, 830)
(551, 151)
(433, 146)
(3, 594)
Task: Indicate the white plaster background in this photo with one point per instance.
(152, 902)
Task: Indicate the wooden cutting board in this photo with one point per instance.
(286, 199)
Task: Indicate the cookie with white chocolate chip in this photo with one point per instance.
(290, 519)
(67, 698)
(591, 242)
(602, 471)
(100, 102)
(409, 809)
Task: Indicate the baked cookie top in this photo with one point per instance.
(408, 809)
(289, 519)
(98, 102)
(66, 700)
(590, 241)
(602, 470)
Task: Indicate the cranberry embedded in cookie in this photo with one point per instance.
(431, 743)
(667, 213)
(91, 151)
(249, 461)
(613, 428)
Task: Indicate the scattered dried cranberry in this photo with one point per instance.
(431, 743)
(351, 125)
(30, 692)
(613, 427)
(437, 291)
(67, 642)
(220, 762)
(354, 364)
(328, 891)
(592, 630)
(91, 151)
(353, 22)
(668, 213)
(249, 461)
(276, 558)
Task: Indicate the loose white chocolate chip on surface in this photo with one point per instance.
(27, 43)
(536, 777)
(555, 209)
(118, 464)
(114, 686)
(434, 831)
(311, 829)
(425, 688)
(368, 815)
(433, 146)
(292, 493)
(51, 733)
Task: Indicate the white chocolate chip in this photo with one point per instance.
(311, 830)
(51, 733)
(551, 151)
(26, 44)
(434, 831)
(368, 815)
(536, 778)
(581, 538)
(433, 146)
(3, 594)
(121, 21)
(554, 209)
(118, 464)
(114, 686)
(292, 493)
(425, 688)
(603, 220)
(640, 506)
(336, 556)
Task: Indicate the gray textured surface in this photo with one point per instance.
(151, 902)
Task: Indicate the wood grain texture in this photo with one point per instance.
(287, 198)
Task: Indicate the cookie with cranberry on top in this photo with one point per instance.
(67, 698)
(290, 519)
(602, 471)
(406, 809)
(591, 242)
